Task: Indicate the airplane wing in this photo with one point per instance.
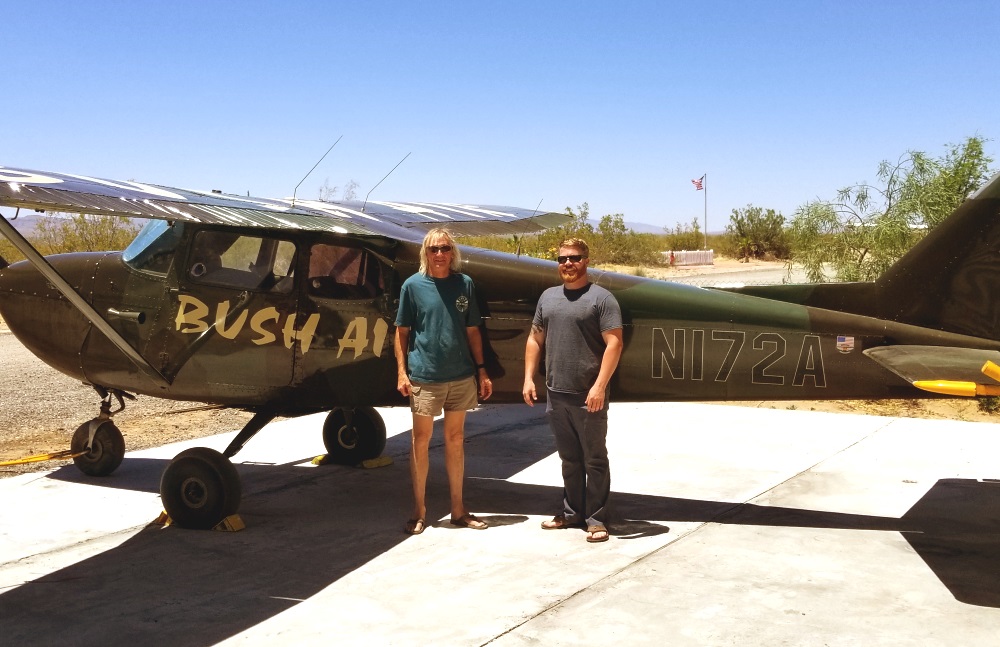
(55, 192)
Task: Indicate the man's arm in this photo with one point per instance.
(609, 362)
(532, 354)
(402, 344)
(476, 348)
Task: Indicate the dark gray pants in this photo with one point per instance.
(581, 439)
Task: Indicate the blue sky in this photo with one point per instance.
(616, 104)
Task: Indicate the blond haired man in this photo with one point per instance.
(439, 354)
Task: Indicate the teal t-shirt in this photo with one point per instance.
(437, 312)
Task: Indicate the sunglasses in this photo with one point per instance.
(572, 258)
(434, 249)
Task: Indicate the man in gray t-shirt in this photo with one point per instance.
(579, 325)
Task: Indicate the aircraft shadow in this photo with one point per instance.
(182, 587)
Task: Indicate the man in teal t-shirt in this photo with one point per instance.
(439, 355)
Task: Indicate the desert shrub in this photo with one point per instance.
(988, 404)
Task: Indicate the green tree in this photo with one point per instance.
(8, 252)
(755, 233)
(83, 233)
(613, 242)
(683, 237)
(868, 227)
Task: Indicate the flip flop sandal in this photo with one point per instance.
(469, 520)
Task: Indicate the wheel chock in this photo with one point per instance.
(368, 464)
(232, 523)
(372, 463)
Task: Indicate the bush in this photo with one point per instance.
(755, 233)
(610, 241)
(988, 404)
(83, 233)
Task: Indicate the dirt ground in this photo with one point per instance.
(40, 413)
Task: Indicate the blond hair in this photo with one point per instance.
(577, 243)
(456, 256)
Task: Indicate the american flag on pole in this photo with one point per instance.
(699, 183)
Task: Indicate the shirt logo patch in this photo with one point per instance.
(462, 303)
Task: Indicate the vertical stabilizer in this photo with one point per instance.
(950, 280)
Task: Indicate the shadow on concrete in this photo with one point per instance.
(307, 528)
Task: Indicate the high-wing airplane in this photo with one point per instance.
(286, 307)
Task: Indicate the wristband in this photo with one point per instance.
(479, 366)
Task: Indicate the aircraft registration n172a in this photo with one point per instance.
(286, 308)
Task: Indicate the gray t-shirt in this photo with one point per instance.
(573, 321)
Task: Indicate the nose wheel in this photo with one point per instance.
(98, 446)
(98, 451)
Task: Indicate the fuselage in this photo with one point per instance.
(307, 324)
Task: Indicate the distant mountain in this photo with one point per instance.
(637, 227)
(25, 223)
(643, 228)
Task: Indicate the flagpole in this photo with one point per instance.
(704, 178)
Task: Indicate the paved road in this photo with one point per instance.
(735, 526)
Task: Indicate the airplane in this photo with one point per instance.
(286, 307)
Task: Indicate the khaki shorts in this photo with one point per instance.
(428, 398)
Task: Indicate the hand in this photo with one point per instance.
(529, 392)
(595, 399)
(485, 385)
(403, 385)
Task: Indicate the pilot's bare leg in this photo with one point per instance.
(423, 427)
(454, 459)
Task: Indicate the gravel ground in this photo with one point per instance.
(40, 408)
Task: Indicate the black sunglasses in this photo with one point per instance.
(434, 249)
(572, 258)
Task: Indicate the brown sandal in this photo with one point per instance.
(415, 526)
(469, 520)
(593, 530)
(559, 522)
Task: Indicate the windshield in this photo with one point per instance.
(153, 249)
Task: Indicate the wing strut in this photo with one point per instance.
(87, 310)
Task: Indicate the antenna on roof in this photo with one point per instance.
(518, 238)
(381, 181)
(313, 169)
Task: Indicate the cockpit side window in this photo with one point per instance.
(241, 261)
(154, 247)
(343, 272)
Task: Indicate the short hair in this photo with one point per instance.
(456, 255)
(578, 243)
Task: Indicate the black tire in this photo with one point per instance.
(106, 452)
(200, 488)
(363, 439)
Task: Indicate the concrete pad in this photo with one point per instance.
(735, 526)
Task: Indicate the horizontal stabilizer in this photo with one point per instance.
(948, 371)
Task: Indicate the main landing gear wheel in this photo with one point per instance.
(353, 436)
(200, 488)
(105, 453)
